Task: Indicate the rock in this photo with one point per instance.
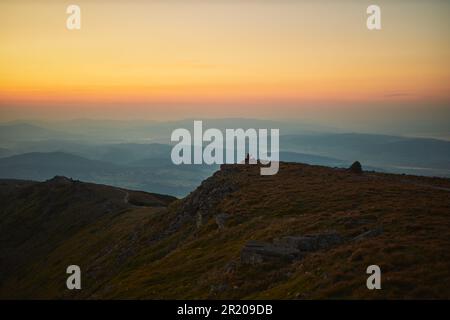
(287, 248)
(205, 198)
(255, 252)
(356, 168)
(221, 219)
(312, 242)
(369, 234)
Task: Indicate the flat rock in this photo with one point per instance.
(309, 243)
(255, 252)
(287, 248)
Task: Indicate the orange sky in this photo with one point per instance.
(175, 58)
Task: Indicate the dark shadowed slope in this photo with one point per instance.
(38, 217)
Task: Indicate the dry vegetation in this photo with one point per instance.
(141, 252)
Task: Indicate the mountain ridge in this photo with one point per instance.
(203, 246)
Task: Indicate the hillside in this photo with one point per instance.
(307, 232)
(37, 218)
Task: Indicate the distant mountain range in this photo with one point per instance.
(29, 132)
(391, 153)
(140, 131)
(124, 153)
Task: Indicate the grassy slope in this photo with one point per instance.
(131, 256)
(41, 221)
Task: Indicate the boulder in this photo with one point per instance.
(287, 248)
(309, 243)
(255, 252)
(356, 168)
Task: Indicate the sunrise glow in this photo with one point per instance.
(179, 57)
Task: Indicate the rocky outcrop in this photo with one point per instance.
(356, 168)
(310, 243)
(201, 203)
(255, 252)
(287, 248)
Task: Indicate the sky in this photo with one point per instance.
(225, 58)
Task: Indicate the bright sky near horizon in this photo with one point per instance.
(175, 59)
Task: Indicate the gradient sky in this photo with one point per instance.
(177, 59)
